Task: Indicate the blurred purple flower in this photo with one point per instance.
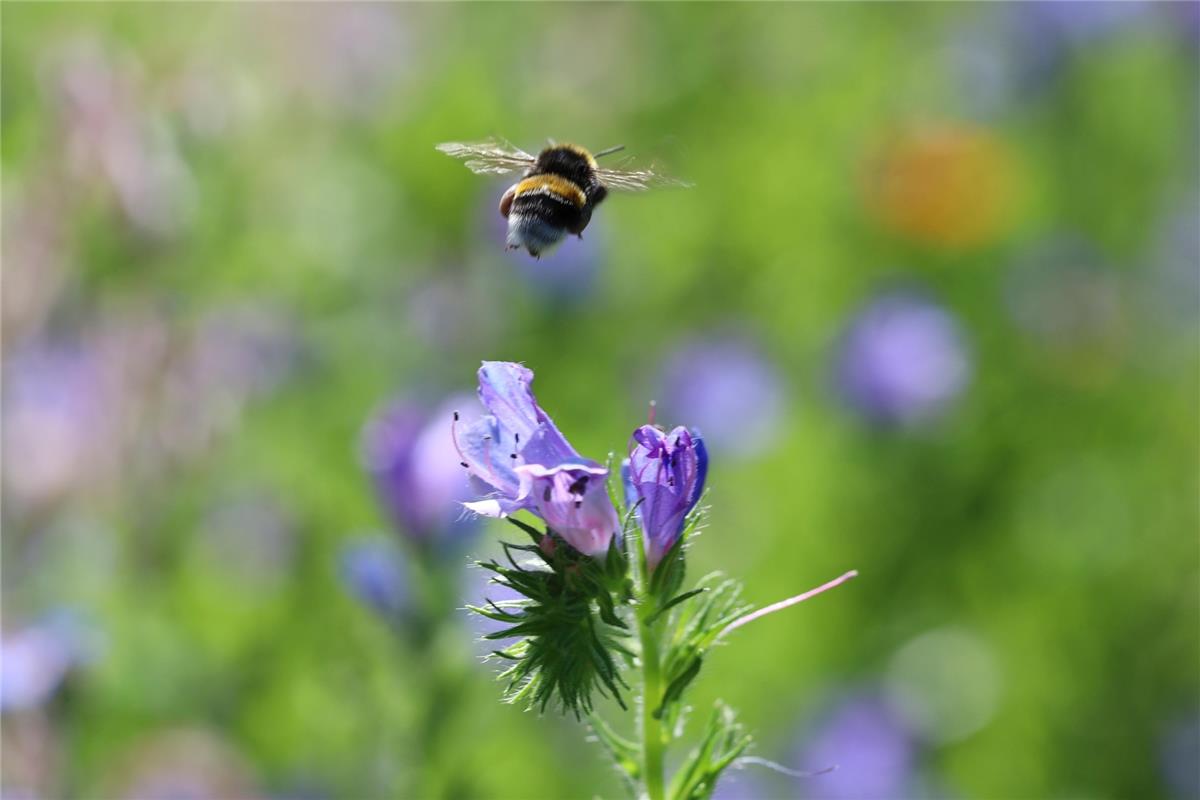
(872, 753)
(374, 571)
(37, 658)
(113, 136)
(1084, 21)
(411, 459)
(665, 472)
(727, 388)
(60, 422)
(350, 58)
(1045, 34)
(901, 360)
(517, 452)
(183, 764)
(1178, 751)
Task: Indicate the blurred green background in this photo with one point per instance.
(933, 299)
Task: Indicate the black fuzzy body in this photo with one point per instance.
(576, 165)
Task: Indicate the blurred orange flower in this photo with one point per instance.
(948, 187)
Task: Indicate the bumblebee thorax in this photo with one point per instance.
(568, 160)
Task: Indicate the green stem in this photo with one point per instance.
(652, 691)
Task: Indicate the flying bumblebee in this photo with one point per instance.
(558, 191)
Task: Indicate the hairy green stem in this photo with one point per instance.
(652, 691)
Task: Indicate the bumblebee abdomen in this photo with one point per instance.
(552, 199)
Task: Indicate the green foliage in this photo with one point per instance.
(695, 625)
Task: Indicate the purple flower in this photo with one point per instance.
(373, 570)
(38, 658)
(665, 472)
(411, 459)
(873, 754)
(901, 360)
(726, 387)
(521, 461)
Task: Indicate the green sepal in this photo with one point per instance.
(567, 621)
(533, 532)
(626, 755)
(665, 607)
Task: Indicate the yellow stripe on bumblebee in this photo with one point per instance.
(552, 184)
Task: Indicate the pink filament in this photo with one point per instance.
(788, 603)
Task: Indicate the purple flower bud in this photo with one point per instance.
(902, 360)
(521, 461)
(665, 472)
(411, 459)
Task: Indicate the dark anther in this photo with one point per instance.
(579, 486)
(465, 464)
(456, 416)
(578, 503)
(546, 495)
(517, 438)
(512, 455)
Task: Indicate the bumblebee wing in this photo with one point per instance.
(492, 157)
(637, 180)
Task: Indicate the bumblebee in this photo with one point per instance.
(558, 191)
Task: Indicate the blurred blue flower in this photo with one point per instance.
(375, 571)
(1084, 21)
(410, 456)
(1175, 270)
(901, 360)
(37, 658)
(521, 459)
(666, 472)
(1178, 751)
(871, 752)
(727, 388)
